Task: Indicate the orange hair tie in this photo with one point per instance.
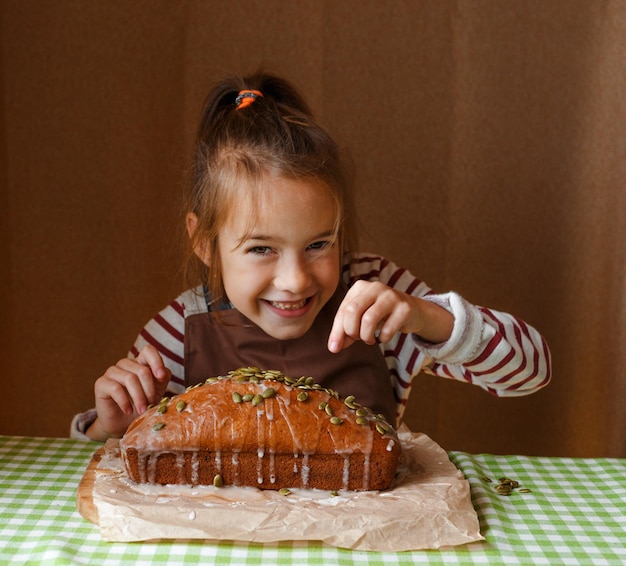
(247, 97)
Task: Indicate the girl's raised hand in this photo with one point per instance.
(372, 311)
(125, 391)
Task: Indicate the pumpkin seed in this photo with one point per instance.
(158, 426)
(273, 372)
(361, 420)
(162, 409)
(380, 428)
(180, 406)
(284, 491)
(322, 406)
(269, 392)
(333, 393)
(303, 396)
(218, 481)
(247, 397)
(257, 400)
(525, 490)
(336, 420)
(329, 410)
(237, 397)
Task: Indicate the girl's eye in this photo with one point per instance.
(323, 244)
(260, 250)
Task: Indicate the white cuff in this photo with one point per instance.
(466, 336)
(80, 423)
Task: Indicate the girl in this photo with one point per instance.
(278, 283)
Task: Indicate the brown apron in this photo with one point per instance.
(217, 342)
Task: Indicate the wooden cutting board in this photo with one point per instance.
(84, 494)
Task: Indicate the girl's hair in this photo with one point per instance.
(237, 144)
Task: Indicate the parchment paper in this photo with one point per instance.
(427, 507)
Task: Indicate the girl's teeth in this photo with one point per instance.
(288, 306)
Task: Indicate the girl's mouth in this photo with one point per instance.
(289, 305)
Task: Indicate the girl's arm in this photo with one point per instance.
(451, 338)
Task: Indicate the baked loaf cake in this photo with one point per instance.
(263, 429)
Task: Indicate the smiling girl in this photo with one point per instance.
(277, 282)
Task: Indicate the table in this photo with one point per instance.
(575, 513)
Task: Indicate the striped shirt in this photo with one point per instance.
(493, 350)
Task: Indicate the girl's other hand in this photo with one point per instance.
(372, 311)
(125, 391)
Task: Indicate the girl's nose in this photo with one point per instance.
(292, 275)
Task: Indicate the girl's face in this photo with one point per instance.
(281, 270)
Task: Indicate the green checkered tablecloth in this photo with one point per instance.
(575, 513)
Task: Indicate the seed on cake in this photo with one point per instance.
(302, 396)
(218, 481)
(247, 397)
(162, 409)
(180, 406)
(269, 392)
(257, 400)
(158, 426)
(361, 420)
(336, 420)
(383, 429)
(322, 406)
(329, 410)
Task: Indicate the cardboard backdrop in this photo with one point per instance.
(490, 140)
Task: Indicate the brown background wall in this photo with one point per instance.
(490, 141)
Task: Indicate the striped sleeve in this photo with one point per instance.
(166, 333)
(493, 350)
(506, 357)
